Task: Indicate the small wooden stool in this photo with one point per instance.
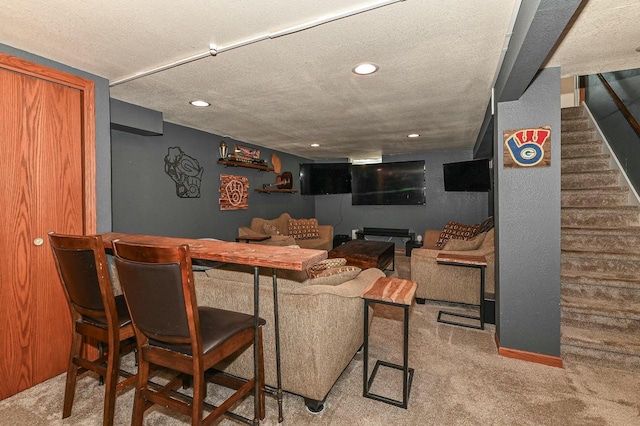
(394, 292)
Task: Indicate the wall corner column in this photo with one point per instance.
(528, 224)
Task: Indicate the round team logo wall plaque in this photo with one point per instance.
(527, 147)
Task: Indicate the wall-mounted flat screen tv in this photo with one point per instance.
(470, 176)
(398, 183)
(325, 178)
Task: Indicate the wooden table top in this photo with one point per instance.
(394, 290)
(296, 259)
(461, 259)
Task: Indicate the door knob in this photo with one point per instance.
(38, 241)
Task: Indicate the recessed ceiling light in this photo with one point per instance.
(200, 103)
(638, 49)
(413, 135)
(315, 145)
(365, 68)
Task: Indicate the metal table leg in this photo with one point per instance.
(481, 307)
(276, 325)
(256, 353)
(406, 371)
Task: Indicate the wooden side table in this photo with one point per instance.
(468, 262)
(394, 292)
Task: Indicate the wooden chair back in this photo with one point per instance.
(97, 314)
(82, 266)
(158, 284)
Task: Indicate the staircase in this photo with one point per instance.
(600, 254)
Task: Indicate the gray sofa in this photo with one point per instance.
(321, 323)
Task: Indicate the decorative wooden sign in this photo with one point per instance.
(234, 191)
(527, 147)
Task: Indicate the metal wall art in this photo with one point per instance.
(527, 147)
(185, 172)
(234, 191)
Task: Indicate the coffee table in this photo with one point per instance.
(366, 254)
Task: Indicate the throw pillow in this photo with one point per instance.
(325, 264)
(304, 229)
(336, 276)
(275, 223)
(270, 229)
(455, 230)
(464, 245)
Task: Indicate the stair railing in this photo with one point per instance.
(621, 106)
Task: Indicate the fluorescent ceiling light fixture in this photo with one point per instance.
(413, 135)
(315, 145)
(365, 68)
(368, 160)
(200, 103)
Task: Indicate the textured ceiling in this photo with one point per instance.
(437, 64)
(603, 38)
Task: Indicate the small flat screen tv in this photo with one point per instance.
(469, 176)
(325, 178)
(398, 183)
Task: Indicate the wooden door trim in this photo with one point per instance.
(87, 89)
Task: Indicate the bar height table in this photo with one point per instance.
(255, 255)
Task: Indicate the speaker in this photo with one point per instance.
(340, 239)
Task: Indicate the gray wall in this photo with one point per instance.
(103, 145)
(619, 134)
(440, 208)
(527, 206)
(145, 199)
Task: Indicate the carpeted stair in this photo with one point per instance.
(600, 257)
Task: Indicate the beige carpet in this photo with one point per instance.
(459, 380)
(600, 261)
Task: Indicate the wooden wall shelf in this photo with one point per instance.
(268, 191)
(247, 165)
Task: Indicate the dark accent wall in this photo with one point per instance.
(144, 196)
(440, 208)
(527, 210)
(131, 118)
(103, 146)
(621, 137)
(145, 200)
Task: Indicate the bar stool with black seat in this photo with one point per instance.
(173, 332)
(96, 314)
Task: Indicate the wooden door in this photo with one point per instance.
(43, 170)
